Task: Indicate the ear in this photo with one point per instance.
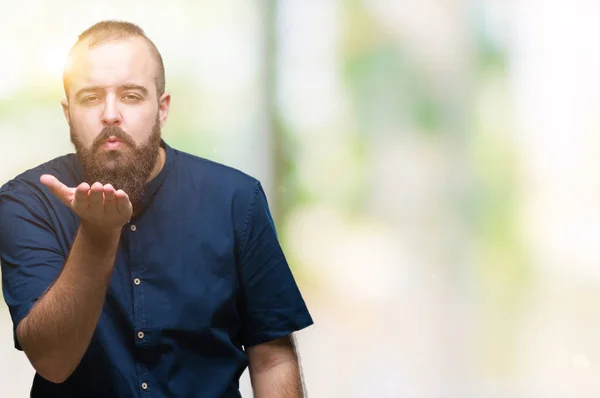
(164, 104)
(65, 105)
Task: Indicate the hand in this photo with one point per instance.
(101, 207)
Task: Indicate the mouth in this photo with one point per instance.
(112, 143)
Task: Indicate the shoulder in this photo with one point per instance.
(218, 187)
(27, 183)
(216, 175)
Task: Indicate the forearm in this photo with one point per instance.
(57, 331)
(282, 380)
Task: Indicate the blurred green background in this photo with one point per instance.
(431, 166)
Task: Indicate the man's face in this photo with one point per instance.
(114, 114)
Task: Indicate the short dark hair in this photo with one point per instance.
(104, 31)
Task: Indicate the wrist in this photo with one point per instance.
(99, 237)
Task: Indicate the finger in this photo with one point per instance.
(110, 200)
(58, 189)
(81, 203)
(123, 203)
(96, 197)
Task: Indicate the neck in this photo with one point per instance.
(158, 166)
(160, 163)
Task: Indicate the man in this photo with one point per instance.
(132, 269)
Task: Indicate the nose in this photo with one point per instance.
(111, 115)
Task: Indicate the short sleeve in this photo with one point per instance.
(272, 305)
(30, 256)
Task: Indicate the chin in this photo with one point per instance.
(113, 161)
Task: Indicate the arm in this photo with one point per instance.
(275, 369)
(271, 305)
(58, 329)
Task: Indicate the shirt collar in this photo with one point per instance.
(153, 186)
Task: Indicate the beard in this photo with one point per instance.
(127, 168)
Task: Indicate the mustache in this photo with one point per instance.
(112, 131)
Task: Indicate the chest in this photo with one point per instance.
(178, 275)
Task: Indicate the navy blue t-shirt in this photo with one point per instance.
(199, 275)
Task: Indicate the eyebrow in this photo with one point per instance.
(141, 89)
(124, 87)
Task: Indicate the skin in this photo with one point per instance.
(275, 369)
(113, 84)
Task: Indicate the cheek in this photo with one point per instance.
(139, 124)
(86, 125)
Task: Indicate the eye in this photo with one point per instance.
(132, 97)
(91, 99)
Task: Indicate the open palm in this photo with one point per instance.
(101, 206)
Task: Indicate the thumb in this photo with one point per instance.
(60, 190)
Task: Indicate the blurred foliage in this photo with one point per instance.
(504, 275)
(388, 86)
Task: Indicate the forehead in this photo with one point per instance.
(112, 64)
